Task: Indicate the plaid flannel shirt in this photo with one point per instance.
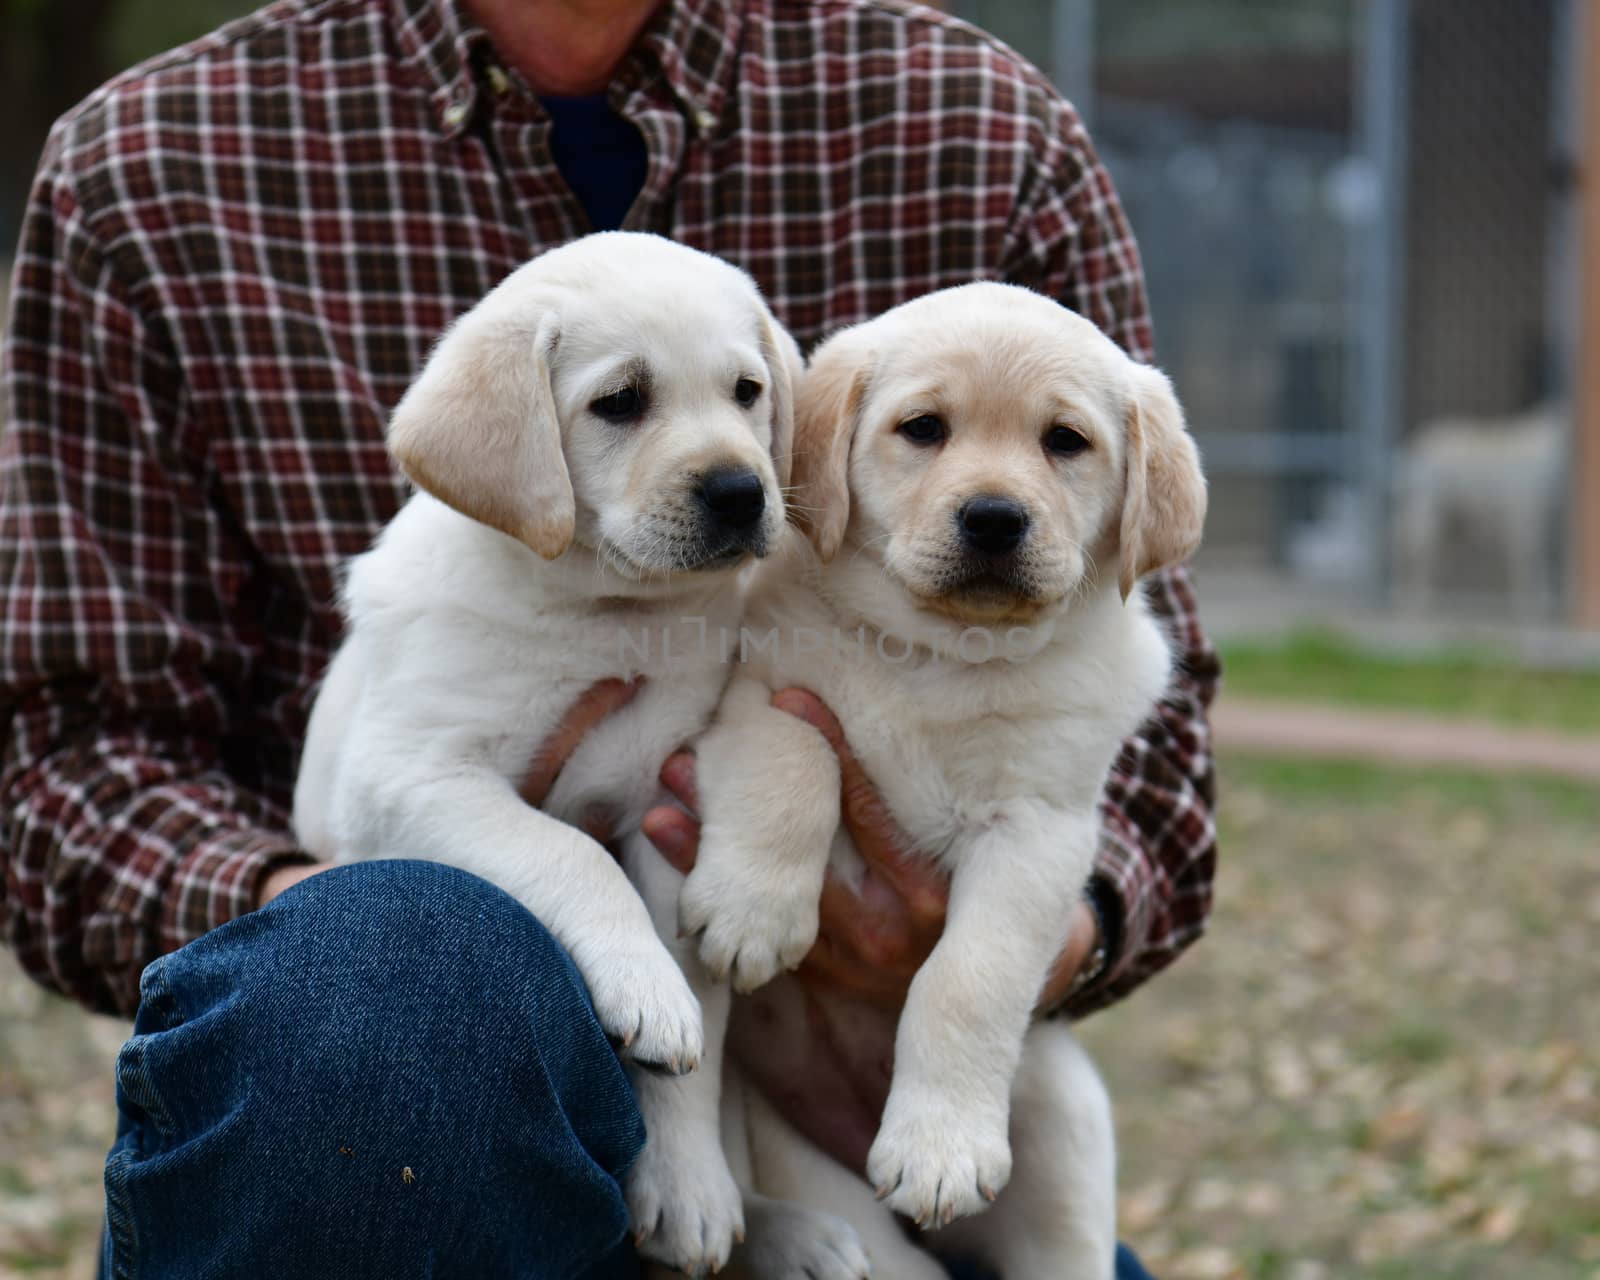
(237, 255)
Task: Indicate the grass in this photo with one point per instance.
(1316, 666)
(1296, 780)
(1383, 1060)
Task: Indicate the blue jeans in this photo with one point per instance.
(392, 1071)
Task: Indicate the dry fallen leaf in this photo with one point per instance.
(1213, 1263)
(1143, 1208)
(1502, 1221)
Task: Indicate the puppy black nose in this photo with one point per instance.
(993, 525)
(735, 499)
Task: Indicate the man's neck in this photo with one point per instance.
(564, 47)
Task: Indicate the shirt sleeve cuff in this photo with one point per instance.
(219, 880)
(1121, 888)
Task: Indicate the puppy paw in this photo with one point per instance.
(645, 1006)
(686, 1209)
(750, 928)
(935, 1162)
(790, 1242)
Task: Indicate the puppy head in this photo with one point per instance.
(623, 392)
(994, 453)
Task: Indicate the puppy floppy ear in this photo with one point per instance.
(1164, 498)
(827, 412)
(785, 366)
(478, 429)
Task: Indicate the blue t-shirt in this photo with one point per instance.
(600, 154)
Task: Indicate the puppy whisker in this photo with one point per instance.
(882, 537)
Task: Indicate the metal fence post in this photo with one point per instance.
(1072, 54)
(1382, 122)
(1586, 459)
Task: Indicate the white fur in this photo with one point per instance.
(992, 768)
(467, 646)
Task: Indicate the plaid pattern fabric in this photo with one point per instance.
(235, 258)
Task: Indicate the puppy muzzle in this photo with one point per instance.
(731, 508)
(983, 596)
(986, 573)
(992, 526)
(987, 576)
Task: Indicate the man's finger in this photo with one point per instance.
(829, 969)
(805, 705)
(678, 776)
(864, 813)
(1082, 936)
(878, 838)
(675, 834)
(923, 888)
(870, 928)
(596, 702)
(280, 878)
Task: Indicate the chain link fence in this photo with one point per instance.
(1357, 225)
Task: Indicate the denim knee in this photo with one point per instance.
(390, 1069)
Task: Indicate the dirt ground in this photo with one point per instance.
(1384, 1061)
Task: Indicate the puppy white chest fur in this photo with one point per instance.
(522, 656)
(992, 768)
(957, 734)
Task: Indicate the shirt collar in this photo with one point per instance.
(695, 44)
(435, 38)
(692, 44)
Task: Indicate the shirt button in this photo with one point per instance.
(705, 121)
(499, 81)
(455, 115)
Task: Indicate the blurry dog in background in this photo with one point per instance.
(1502, 481)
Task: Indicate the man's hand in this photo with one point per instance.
(596, 703)
(832, 1080)
(282, 877)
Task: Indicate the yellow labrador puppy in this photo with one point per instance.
(984, 478)
(601, 446)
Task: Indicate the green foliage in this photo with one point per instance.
(1308, 781)
(141, 28)
(1417, 1040)
(1315, 666)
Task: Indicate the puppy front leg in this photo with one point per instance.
(769, 797)
(686, 1207)
(470, 818)
(812, 1217)
(943, 1149)
(1058, 1217)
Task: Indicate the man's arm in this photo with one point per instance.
(121, 651)
(1158, 842)
(1153, 876)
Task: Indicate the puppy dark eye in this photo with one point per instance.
(925, 428)
(746, 391)
(1064, 441)
(619, 406)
